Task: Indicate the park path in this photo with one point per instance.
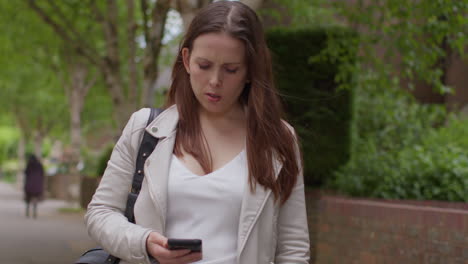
(55, 237)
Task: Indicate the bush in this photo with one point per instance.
(404, 150)
(435, 169)
(96, 163)
(9, 137)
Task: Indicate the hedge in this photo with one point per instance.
(320, 112)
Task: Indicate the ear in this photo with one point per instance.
(186, 59)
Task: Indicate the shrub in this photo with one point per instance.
(435, 169)
(404, 150)
(96, 163)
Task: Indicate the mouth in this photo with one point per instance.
(213, 97)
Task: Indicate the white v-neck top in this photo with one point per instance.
(207, 207)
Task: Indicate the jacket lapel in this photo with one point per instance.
(252, 206)
(157, 164)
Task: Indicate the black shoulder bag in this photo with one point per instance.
(148, 143)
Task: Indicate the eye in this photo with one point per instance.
(204, 66)
(231, 70)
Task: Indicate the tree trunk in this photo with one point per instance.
(21, 161)
(150, 62)
(112, 65)
(78, 89)
(132, 66)
(38, 139)
(188, 9)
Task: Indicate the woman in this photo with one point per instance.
(227, 168)
(33, 184)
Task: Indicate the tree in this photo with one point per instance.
(413, 39)
(28, 88)
(295, 13)
(107, 52)
(409, 40)
(77, 86)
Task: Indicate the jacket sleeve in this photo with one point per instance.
(293, 244)
(105, 218)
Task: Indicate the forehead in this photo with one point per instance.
(219, 47)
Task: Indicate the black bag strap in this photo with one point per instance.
(148, 143)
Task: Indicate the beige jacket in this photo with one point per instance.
(268, 233)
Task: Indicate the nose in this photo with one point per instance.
(216, 78)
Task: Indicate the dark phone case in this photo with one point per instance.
(194, 245)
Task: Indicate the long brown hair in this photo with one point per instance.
(268, 137)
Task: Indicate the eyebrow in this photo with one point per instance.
(200, 58)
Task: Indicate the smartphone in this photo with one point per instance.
(195, 245)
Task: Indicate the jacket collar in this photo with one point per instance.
(165, 123)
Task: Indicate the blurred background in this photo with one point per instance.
(377, 91)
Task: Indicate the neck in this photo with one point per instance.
(234, 118)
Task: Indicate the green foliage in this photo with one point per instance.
(95, 163)
(97, 111)
(415, 37)
(30, 89)
(300, 13)
(9, 169)
(403, 150)
(320, 113)
(9, 137)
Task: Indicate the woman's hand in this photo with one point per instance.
(156, 245)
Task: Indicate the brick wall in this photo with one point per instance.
(348, 231)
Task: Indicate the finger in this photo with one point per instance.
(189, 258)
(172, 254)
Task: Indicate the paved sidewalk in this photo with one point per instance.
(54, 237)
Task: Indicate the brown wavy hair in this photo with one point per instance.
(268, 137)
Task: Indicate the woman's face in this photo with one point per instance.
(218, 70)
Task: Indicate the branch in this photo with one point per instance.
(97, 13)
(156, 35)
(153, 48)
(63, 18)
(188, 9)
(111, 32)
(89, 84)
(58, 29)
(144, 11)
(80, 47)
(132, 67)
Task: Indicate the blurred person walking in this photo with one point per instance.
(33, 184)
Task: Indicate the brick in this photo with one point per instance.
(434, 259)
(465, 254)
(367, 258)
(433, 234)
(414, 231)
